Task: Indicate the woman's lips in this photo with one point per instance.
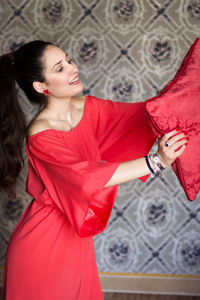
(75, 81)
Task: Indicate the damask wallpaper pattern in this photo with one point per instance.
(126, 50)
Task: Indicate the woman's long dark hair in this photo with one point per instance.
(25, 66)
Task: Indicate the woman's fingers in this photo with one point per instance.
(168, 135)
(178, 144)
(180, 151)
(176, 138)
(169, 141)
(170, 146)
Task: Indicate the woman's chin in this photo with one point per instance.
(70, 92)
(78, 89)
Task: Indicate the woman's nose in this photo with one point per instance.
(73, 67)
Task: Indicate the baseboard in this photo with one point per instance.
(146, 283)
(150, 283)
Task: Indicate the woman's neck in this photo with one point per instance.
(59, 108)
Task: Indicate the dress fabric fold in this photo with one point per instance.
(50, 253)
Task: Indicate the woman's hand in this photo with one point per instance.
(170, 146)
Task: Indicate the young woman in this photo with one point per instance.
(79, 150)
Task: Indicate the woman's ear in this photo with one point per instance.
(39, 86)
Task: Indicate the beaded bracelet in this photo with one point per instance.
(156, 171)
(156, 160)
(153, 170)
(154, 166)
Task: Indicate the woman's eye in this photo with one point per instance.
(60, 69)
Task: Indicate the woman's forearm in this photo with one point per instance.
(129, 170)
(170, 146)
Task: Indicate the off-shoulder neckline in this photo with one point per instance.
(62, 131)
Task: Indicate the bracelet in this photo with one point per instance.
(148, 164)
(153, 171)
(156, 160)
(156, 171)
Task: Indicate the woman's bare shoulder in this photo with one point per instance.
(41, 123)
(37, 126)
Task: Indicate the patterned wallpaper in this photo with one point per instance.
(127, 50)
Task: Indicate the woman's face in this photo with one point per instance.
(61, 74)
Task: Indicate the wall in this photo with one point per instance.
(127, 50)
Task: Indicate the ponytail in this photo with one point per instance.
(24, 66)
(12, 128)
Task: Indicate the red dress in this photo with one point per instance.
(50, 255)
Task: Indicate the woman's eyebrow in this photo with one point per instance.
(58, 62)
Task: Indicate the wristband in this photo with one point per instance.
(153, 173)
(156, 160)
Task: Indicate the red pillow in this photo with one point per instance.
(178, 107)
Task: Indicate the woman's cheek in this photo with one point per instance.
(59, 81)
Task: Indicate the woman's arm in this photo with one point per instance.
(133, 169)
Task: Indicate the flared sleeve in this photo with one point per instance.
(123, 131)
(76, 187)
